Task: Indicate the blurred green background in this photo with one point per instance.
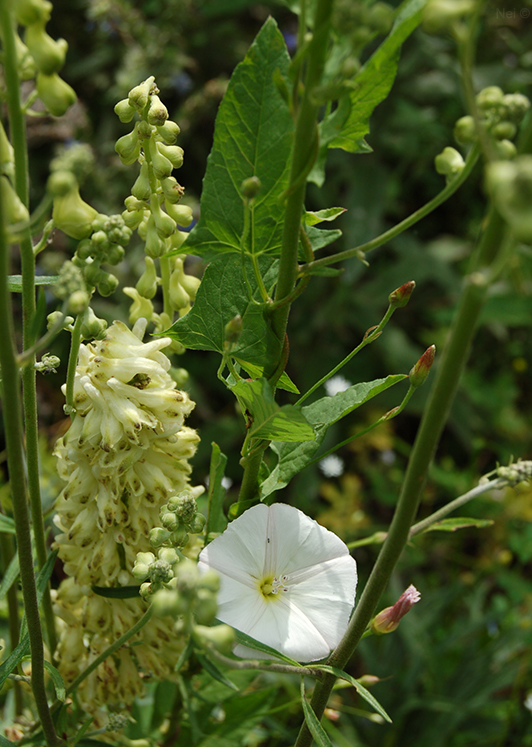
(457, 671)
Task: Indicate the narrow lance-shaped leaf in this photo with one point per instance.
(253, 137)
(458, 522)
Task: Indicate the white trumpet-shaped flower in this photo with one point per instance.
(285, 581)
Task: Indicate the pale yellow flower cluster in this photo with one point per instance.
(124, 456)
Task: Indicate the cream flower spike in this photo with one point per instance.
(284, 580)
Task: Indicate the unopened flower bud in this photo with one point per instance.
(141, 308)
(197, 524)
(449, 163)
(55, 316)
(107, 284)
(251, 187)
(368, 680)
(206, 609)
(141, 189)
(174, 153)
(48, 364)
(514, 106)
(147, 283)
(128, 147)
(489, 98)
(168, 602)
(158, 536)
(439, 15)
(14, 210)
(7, 156)
(72, 214)
(465, 131)
(49, 54)
(418, 373)
(233, 329)
(182, 214)
(169, 131)
(169, 555)
(161, 572)
(78, 302)
(388, 620)
(172, 190)
(157, 111)
(221, 637)
(510, 185)
(138, 96)
(505, 130)
(92, 327)
(505, 150)
(155, 246)
(401, 296)
(124, 111)
(56, 95)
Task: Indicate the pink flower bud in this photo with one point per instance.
(418, 373)
(388, 619)
(401, 296)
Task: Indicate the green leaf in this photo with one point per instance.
(321, 415)
(222, 295)
(184, 655)
(5, 742)
(7, 525)
(56, 678)
(82, 730)
(253, 137)
(265, 419)
(116, 592)
(216, 521)
(10, 576)
(285, 382)
(349, 123)
(320, 238)
(314, 726)
(329, 214)
(459, 522)
(361, 690)
(246, 640)
(213, 670)
(14, 282)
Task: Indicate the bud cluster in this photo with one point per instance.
(190, 596)
(152, 208)
(499, 115)
(510, 186)
(179, 518)
(361, 22)
(41, 57)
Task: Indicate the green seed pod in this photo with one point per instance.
(147, 283)
(138, 96)
(174, 153)
(32, 11)
(141, 189)
(49, 55)
(157, 111)
(172, 191)
(124, 111)
(182, 214)
(13, 209)
(128, 147)
(56, 95)
(465, 131)
(72, 215)
(169, 131)
(155, 247)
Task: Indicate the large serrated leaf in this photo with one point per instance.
(347, 126)
(222, 295)
(321, 415)
(253, 137)
(265, 418)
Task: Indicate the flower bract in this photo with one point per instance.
(285, 581)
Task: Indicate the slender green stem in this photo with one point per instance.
(434, 417)
(444, 195)
(8, 553)
(307, 671)
(27, 357)
(14, 443)
(164, 263)
(72, 363)
(368, 338)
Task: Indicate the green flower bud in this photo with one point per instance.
(6, 154)
(190, 284)
(210, 580)
(179, 537)
(449, 163)
(124, 111)
(147, 283)
(197, 524)
(380, 17)
(141, 308)
(439, 15)
(165, 226)
(489, 98)
(504, 130)
(169, 555)
(154, 247)
(250, 187)
(78, 302)
(169, 131)
(128, 147)
(107, 285)
(418, 374)
(178, 296)
(161, 572)
(157, 111)
(177, 239)
(92, 327)
(510, 185)
(141, 189)
(145, 590)
(99, 240)
(182, 214)
(221, 637)
(233, 329)
(514, 106)
(48, 364)
(158, 535)
(14, 211)
(162, 166)
(55, 316)
(138, 96)
(401, 296)
(133, 218)
(49, 55)
(56, 95)
(115, 254)
(206, 609)
(93, 273)
(26, 64)
(169, 521)
(32, 11)
(167, 602)
(140, 571)
(85, 249)
(174, 153)
(465, 131)
(72, 215)
(60, 183)
(172, 191)
(505, 150)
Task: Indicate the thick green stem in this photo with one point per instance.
(434, 417)
(6, 548)
(14, 443)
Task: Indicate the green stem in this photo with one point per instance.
(16, 463)
(8, 553)
(444, 195)
(164, 263)
(434, 417)
(72, 363)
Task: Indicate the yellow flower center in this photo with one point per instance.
(270, 586)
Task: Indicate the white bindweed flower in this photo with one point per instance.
(284, 580)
